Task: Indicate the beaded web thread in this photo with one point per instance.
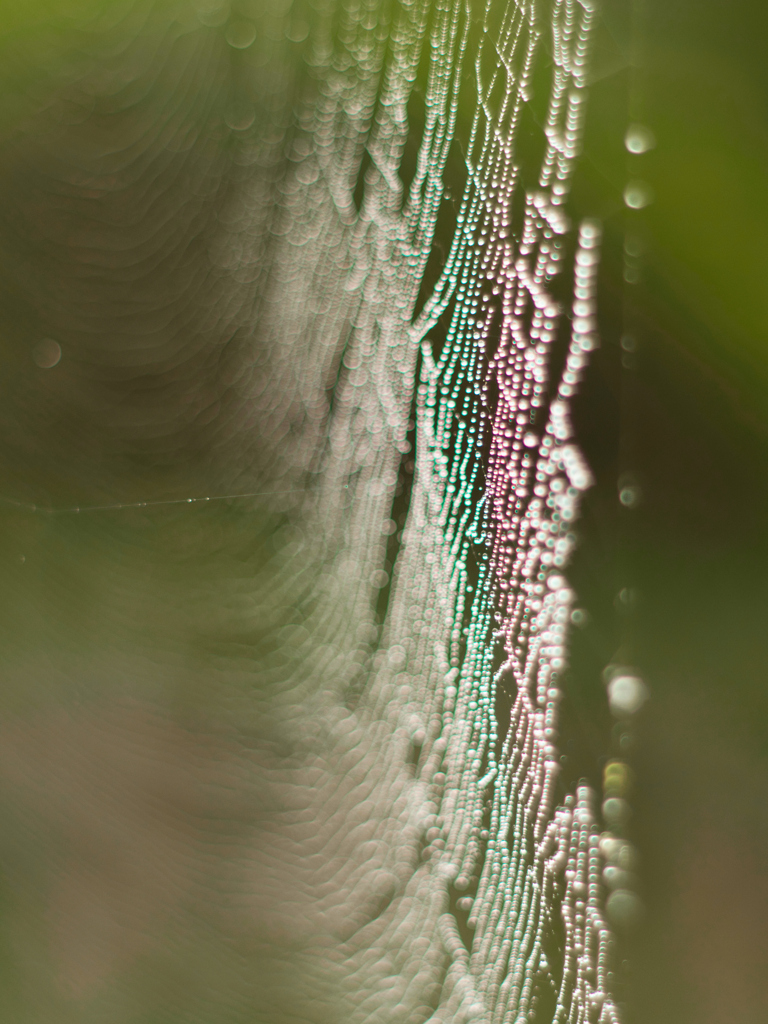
(533, 861)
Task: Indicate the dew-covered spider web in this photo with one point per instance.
(493, 891)
(393, 249)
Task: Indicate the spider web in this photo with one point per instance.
(481, 898)
(510, 883)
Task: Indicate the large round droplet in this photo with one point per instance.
(241, 117)
(627, 694)
(638, 194)
(639, 138)
(624, 909)
(46, 353)
(241, 33)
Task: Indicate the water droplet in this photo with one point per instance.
(627, 694)
(379, 578)
(638, 194)
(240, 118)
(634, 245)
(213, 13)
(241, 33)
(639, 138)
(298, 32)
(47, 353)
(624, 909)
(615, 810)
(629, 496)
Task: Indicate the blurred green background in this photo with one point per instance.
(683, 411)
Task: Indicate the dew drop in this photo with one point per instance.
(627, 694)
(638, 194)
(240, 34)
(213, 13)
(624, 909)
(629, 496)
(639, 138)
(241, 118)
(47, 353)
